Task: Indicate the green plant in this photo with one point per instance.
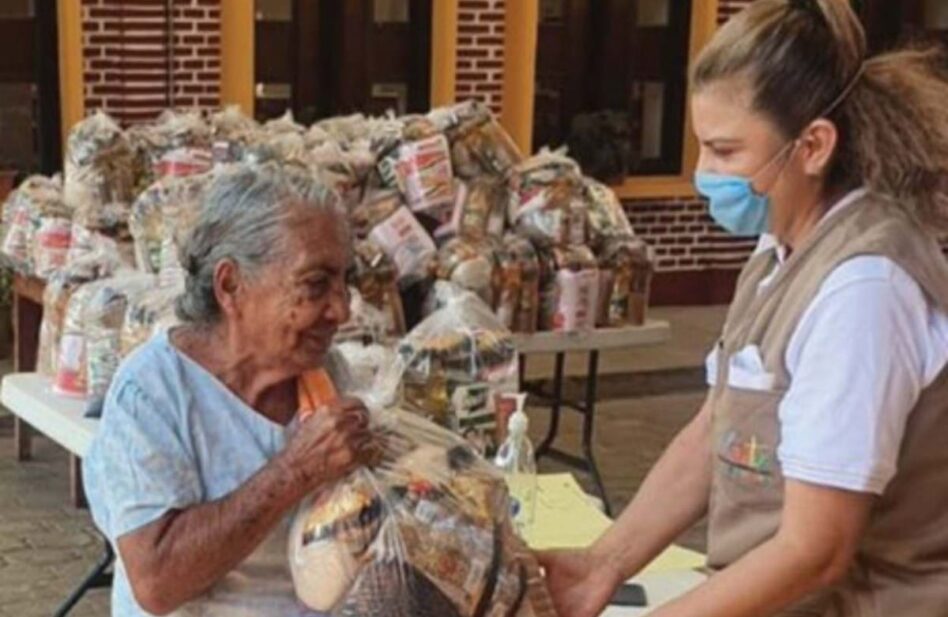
(6, 286)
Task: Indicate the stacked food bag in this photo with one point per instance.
(443, 197)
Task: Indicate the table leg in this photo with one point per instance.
(22, 439)
(26, 322)
(589, 414)
(99, 577)
(555, 408)
(76, 489)
(521, 371)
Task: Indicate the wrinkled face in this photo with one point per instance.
(737, 140)
(291, 309)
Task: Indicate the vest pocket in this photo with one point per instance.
(747, 433)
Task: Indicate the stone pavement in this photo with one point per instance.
(46, 546)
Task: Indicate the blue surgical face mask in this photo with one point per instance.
(734, 203)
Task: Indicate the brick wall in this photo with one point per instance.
(480, 62)
(684, 236)
(142, 56)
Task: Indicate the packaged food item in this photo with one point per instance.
(231, 133)
(606, 218)
(86, 245)
(145, 315)
(546, 202)
(161, 216)
(183, 144)
(479, 145)
(424, 531)
(364, 344)
(626, 272)
(399, 234)
(284, 124)
(32, 216)
(469, 263)
(60, 287)
(71, 378)
(454, 364)
(99, 174)
(376, 281)
(51, 246)
(372, 210)
(424, 174)
(342, 129)
(569, 289)
(517, 285)
(103, 319)
(480, 209)
(20, 221)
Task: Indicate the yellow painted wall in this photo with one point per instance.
(72, 103)
(444, 51)
(237, 54)
(520, 59)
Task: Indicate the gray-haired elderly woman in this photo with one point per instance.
(194, 472)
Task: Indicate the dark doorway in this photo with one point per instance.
(323, 58)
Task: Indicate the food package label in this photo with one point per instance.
(405, 242)
(578, 298)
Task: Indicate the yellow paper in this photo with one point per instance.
(567, 518)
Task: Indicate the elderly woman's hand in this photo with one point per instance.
(330, 443)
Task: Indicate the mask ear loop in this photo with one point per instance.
(850, 86)
(789, 146)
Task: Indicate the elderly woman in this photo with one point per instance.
(195, 469)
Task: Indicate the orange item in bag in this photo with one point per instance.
(315, 389)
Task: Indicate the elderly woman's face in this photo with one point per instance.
(290, 312)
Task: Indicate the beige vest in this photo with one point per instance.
(901, 568)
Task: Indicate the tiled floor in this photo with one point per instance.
(46, 546)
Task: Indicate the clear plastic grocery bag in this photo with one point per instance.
(455, 365)
(424, 531)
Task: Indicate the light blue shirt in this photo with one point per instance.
(173, 436)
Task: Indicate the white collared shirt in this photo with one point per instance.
(863, 351)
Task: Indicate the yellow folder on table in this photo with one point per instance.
(566, 517)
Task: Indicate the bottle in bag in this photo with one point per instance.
(516, 460)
